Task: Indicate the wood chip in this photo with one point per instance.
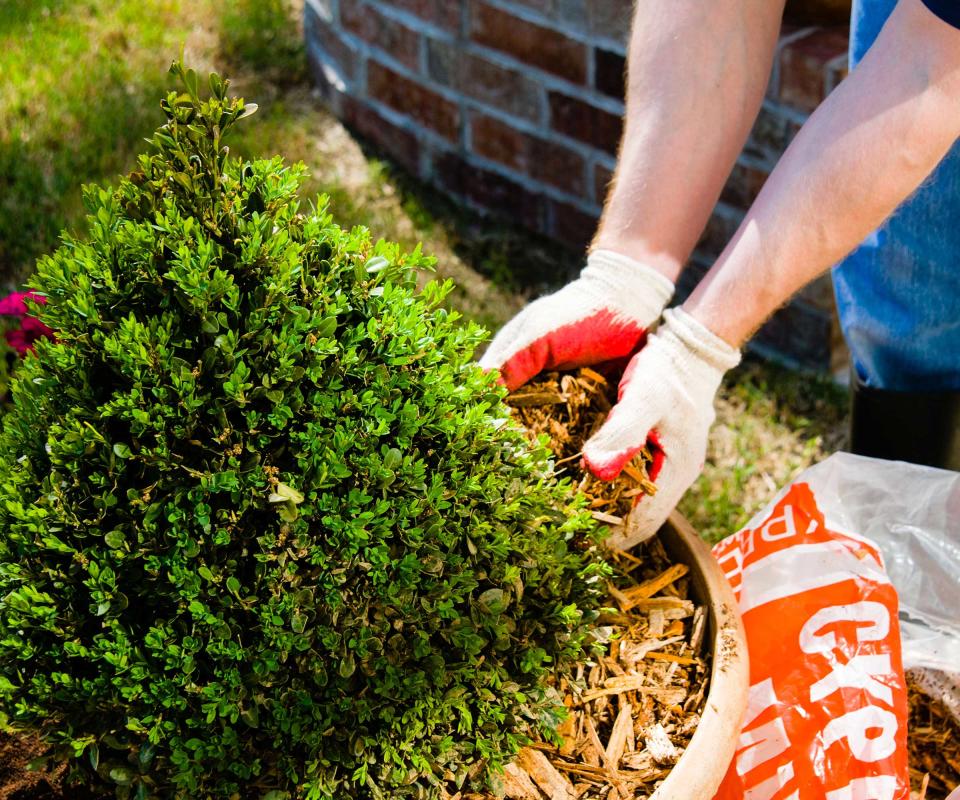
(658, 584)
(617, 743)
(610, 519)
(661, 749)
(544, 774)
(517, 784)
(672, 657)
(523, 399)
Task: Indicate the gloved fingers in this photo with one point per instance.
(625, 433)
(651, 512)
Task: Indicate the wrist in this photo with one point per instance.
(639, 252)
(635, 287)
(731, 327)
(703, 344)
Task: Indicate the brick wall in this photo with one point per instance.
(514, 107)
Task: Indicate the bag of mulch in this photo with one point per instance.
(849, 576)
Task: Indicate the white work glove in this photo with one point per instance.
(602, 316)
(665, 400)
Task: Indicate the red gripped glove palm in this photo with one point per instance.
(604, 315)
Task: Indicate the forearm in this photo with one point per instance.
(860, 155)
(696, 77)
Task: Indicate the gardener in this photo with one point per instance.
(697, 75)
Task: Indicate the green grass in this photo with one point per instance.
(80, 82)
(771, 424)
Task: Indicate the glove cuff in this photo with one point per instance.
(700, 340)
(628, 279)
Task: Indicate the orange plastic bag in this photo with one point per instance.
(827, 713)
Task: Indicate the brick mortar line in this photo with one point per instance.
(531, 184)
(532, 129)
(773, 87)
(421, 26)
(568, 29)
(789, 112)
(834, 64)
(548, 79)
(747, 160)
(330, 68)
(317, 7)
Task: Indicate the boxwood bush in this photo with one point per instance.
(265, 531)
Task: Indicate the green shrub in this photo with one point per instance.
(265, 529)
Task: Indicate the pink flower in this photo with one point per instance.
(31, 329)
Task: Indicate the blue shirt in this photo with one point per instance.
(947, 10)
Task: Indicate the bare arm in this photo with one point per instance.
(860, 155)
(697, 74)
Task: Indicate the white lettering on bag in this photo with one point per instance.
(854, 727)
(857, 673)
(875, 787)
(875, 616)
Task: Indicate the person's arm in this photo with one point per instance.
(697, 73)
(866, 149)
(696, 77)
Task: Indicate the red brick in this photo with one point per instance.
(444, 14)
(572, 226)
(744, 185)
(394, 38)
(602, 179)
(804, 71)
(401, 145)
(543, 6)
(541, 47)
(491, 191)
(585, 122)
(325, 36)
(609, 73)
(507, 89)
(413, 99)
(540, 159)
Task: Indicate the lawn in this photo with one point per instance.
(79, 85)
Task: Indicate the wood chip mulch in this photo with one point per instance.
(633, 709)
(934, 746)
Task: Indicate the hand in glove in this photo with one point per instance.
(666, 398)
(601, 316)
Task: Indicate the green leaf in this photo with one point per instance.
(115, 540)
(121, 450)
(123, 776)
(284, 494)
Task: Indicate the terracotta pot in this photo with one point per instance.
(701, 768)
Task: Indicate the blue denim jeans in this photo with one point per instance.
(898, 293)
